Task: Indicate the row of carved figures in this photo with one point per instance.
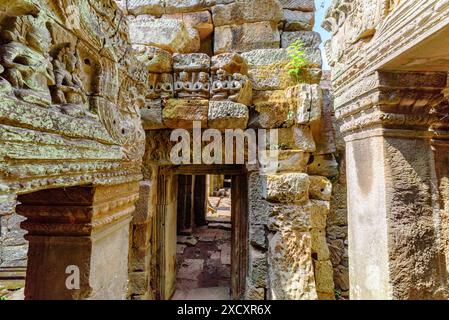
(197, 85)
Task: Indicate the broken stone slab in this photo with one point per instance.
(310, 39)
(300, 5)
(155, 59)
(298, 20)
(181, 113)
(151, 115)
(187, 240)
(307, 102)
(227, 115)
(247, 11)
(320, 188)
(168, 34)
(200, 21)
(229, 62)
(288, 188)
(246, 37)
(296, 138)
(268, 69)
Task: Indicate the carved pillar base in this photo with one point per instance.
(78, 241)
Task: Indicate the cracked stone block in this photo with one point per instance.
(227, 115)
(246, 37)
(247, 11)
(288, 188)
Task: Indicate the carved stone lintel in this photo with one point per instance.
(393, 100)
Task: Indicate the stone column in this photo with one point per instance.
(394, 232)
(78, 241)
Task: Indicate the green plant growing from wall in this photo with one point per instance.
(298, 61)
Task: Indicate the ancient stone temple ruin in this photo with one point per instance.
(121, 175)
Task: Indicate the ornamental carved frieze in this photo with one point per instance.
(71, 89)
(394, 100)
(366, 34)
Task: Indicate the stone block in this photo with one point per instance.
(324, 276)
(179, 113)
(320, 188)
(307, 102)
(191, 61)
(339, 217)
(170, 35)
(139, 258)
(246, 37)
(156, 60)
(138, 283)
(310, 39)
(227, 115)
(288, 188)
(292, 161)
(300, 5)
(182, 6)
(272, 110)
(290, 266)
(318, 211)
(230, 62)
(247, 11)
(151, 115)
(320, 249)
(257, 236)
(268, 69)
(200, 21)
(298, 20)
(337, 232)
(143, 206)
(257, 267)
(141, 235)
(252, 292)
(297, 138)
(323, 165)
(139, 7)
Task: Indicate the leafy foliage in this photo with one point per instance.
(298, 61)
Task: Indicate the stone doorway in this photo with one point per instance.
(202, 254)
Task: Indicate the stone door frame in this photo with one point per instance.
(239, 237)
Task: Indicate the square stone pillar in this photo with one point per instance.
(395, 230)
(394, 243)
(78, 241)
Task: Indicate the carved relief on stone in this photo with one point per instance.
(160, 85)
(220, 86)
(191, 80)
(25, 60)
(230, 80)
(68, 91)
